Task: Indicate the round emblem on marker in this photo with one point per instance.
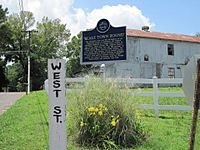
(103, 26)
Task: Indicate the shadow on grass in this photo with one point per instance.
(163, 117)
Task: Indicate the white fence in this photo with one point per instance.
(155, 94)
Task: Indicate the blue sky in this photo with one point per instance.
(171, 16)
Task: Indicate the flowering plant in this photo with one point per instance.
(107, 117)
(100, 127)
(98, 116)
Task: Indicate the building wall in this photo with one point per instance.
(159, 61)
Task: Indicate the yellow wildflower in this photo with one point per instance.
(92, 113)
(106, 109)
(101, 106)
(113, 122)
(82, 123)
(96, 109)
(91, 109)
(100, 113)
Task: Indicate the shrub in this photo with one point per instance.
(106, 118)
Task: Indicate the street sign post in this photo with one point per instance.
(103, 44)
(57, 104)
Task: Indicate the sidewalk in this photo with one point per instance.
(7, 99)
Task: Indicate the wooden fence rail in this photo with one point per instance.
(155, 94)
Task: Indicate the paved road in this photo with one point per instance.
(9, 98)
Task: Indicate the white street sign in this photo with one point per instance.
(189, 78)
(57, 104)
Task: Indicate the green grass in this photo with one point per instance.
(24, 126)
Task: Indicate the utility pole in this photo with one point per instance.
(29, 62)
(29, 59)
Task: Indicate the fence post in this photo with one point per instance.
(155, 95)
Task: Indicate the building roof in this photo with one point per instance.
(161, 35)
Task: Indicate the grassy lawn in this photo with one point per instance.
(25, 125)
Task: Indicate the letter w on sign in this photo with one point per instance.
(57, 104)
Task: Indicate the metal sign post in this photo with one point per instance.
(195, 107)
(57, 104)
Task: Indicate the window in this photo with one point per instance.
(146, 57)
(171, 72)
(170, 49)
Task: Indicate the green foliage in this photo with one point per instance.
(3, 78)
(17, 54)
(74, 68)
(2, 14)
(74, 46)
(4, 40)
(49, 42)
(105, 119)
(15, 77)
(4, 31)
(51, 39)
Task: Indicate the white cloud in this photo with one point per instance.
(40, 8)
(52, 9)
(119, 15)
(77, 19)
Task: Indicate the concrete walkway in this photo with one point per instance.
(8, 98)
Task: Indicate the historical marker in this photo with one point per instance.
(57, 104)
(103, 44)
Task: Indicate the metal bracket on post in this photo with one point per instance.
(155, 95)
(103, 71)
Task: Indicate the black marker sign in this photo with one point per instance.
(57, 104)
(104, 43)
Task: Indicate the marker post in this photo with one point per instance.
(195, 107)
(57, 104)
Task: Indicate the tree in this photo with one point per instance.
(17, 24)
(4, 40)
(4, 31)
(198, 34)
(74, 68)
(3, 78)
(14, 75)
(17, 46)
(51, 39)
(49, 42)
